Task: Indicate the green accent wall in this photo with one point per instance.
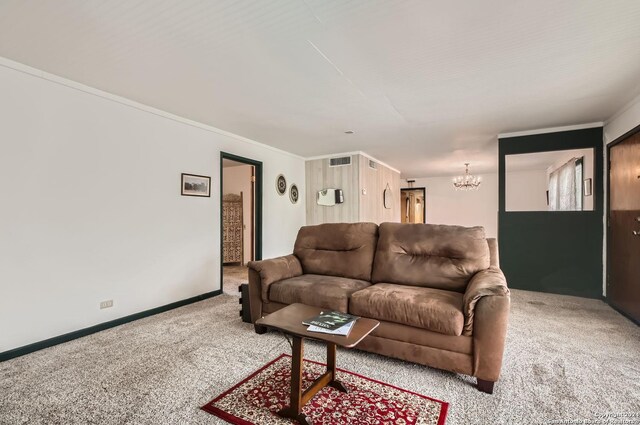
(558, 252)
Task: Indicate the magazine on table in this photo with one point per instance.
(343, 330)
(330, 320)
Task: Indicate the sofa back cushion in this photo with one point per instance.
(337, 249)
(434, 256)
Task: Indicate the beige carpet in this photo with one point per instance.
(566, 358)
(232, 277)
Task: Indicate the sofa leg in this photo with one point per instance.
(485, 386)
(260, 329)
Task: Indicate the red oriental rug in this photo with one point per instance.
(256, 399)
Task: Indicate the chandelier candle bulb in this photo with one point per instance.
(468, 181)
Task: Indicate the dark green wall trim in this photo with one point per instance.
(557, 252)
(21, 351)
(560, 141)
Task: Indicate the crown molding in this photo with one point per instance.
(17, 66)
(551, 130)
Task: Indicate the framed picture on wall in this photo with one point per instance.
(195, 185)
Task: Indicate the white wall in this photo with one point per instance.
(623, 121)
(526, 190)
(91, 210)
(238, 179)
(445, 205)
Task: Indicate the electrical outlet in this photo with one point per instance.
(106, 304)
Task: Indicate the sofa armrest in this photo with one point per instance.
(489, 335)
(494, 255)
(486, 307)
(485, 283)
(274, 270)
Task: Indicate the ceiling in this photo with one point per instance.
(425, 85)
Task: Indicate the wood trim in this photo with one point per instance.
(26, 349)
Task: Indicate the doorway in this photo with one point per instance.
(240, 219)
(413, 205)
(623, 232)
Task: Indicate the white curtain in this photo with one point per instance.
(562, 188)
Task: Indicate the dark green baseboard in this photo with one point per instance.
(26, 349)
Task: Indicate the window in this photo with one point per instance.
(565, 186)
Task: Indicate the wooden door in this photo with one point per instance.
(623, 285)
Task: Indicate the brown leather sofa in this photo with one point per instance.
(438, 291)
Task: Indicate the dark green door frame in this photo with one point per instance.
(257, 205)
(561, 251)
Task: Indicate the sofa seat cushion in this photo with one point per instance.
(436, 310)
(329, 292)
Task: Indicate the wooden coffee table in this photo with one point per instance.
(289, 320)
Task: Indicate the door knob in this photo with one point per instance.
(636, 233)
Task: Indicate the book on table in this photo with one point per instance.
(331, 322)
(343, 330)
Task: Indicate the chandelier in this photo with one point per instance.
(468, 181)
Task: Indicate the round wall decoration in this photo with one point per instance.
(293, 193)
(281, 185)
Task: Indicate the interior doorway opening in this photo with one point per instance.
(240, 219)
(413, 205)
